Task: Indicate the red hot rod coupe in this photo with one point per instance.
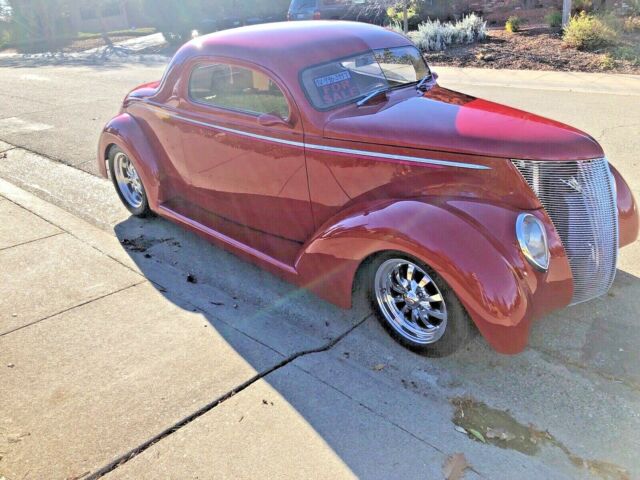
(327, 153)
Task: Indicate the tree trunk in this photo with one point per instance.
(405, 16)
(566, 12)
(103, 27)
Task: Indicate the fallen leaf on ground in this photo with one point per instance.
(460, 429)
(477, 434)
(379, 367)
(454, 466)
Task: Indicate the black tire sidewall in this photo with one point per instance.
(143, 210)
(459, 328)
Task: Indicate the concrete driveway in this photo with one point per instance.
(112, 363)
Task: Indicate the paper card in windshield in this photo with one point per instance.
(336, 88)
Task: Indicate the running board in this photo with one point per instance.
(224, 239)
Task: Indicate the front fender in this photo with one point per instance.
(125, 132)
(627, 210)
(471, 244)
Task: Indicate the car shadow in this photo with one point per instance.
(373, 373)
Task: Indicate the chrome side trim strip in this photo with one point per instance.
(240, 132)
(324, 148)
(390, 156)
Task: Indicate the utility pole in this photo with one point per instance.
(566, 12)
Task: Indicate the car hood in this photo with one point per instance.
(444, 120)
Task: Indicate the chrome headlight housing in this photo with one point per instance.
(532, 238)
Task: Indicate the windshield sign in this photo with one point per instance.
(346, 80)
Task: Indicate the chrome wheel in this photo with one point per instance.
(128, 181)
(410, 301)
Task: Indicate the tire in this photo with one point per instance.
(128, 183)
(437, 328)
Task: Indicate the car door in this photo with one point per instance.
(242, 141)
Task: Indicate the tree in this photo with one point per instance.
(403, 5)
(566, 12)
(39, 20)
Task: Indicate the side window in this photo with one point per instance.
(237, 88)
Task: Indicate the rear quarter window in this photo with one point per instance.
(237, 88)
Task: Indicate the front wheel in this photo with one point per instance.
(416, 306)
(128, 183)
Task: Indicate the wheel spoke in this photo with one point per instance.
(434, 313)
(424, 282)
(410, 270)
(435, 298)
(422, 321)
(400, 281)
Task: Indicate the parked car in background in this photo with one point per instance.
(327, 153)
(357, 10)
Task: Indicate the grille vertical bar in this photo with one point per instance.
(580, 199)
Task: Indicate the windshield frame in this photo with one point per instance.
(361, 96)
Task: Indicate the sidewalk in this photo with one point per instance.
(96, 361)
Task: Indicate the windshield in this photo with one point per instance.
(345, 80)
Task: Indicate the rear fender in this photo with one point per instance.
(471, 244)
(127, 134)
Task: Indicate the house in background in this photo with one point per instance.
(108, 16)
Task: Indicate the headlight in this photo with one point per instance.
(533, 240)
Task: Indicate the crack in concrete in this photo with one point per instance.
(31, 241)
(122, 459)
(11, 147)
(2, 334)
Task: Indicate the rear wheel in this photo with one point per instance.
(416, 306)
(128, 183)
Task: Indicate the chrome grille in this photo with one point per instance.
(580, 199)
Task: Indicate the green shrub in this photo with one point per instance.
(631, 24)
(607, 62)
(434, 35)
(513, 24)
(554, 19)
(628, 53)
(588, 32)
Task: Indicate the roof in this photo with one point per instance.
(287, 47)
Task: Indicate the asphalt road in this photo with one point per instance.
(579, 379)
